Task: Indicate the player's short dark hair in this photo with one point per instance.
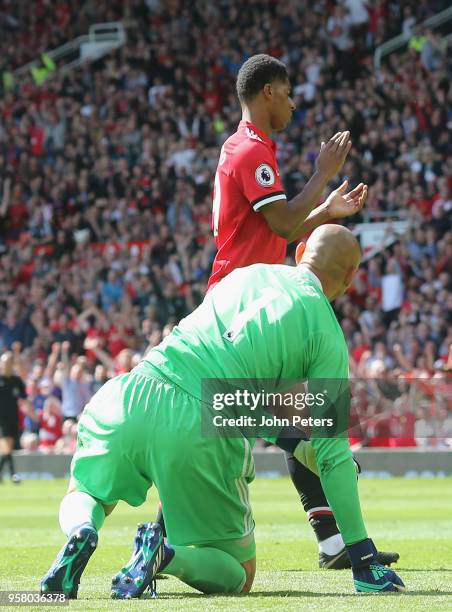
(256, 72)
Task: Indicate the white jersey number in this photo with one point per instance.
(217, 194)
(268, 294)
(216, 204)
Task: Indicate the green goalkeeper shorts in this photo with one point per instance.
(138, 430)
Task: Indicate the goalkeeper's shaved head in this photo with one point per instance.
(333, 254)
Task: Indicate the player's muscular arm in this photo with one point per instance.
(286, 217)
(339, 204)
(291, 219)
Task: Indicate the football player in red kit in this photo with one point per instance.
(247, 180)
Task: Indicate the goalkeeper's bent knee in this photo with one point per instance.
(79, 508)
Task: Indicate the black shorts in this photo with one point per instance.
(9, 429)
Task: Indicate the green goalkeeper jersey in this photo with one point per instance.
(273, 323)
(263, 321)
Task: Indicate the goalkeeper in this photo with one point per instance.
(270, 322)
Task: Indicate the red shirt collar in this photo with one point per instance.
(243, 125)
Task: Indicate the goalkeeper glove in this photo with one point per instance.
(368, 575)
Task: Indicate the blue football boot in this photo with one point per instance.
(150, 555)
(64, 575)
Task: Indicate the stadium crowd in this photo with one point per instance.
(105, 192)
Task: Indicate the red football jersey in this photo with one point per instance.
(247, 178)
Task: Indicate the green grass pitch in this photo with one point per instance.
(413, 517)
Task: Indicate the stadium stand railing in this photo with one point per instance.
(402, 39)
(376, 236)
(102, 38)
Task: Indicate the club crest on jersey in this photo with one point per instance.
(265, 175)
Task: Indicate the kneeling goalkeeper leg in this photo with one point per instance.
(214, 568)
(209, 570)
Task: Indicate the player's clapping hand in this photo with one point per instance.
(341, 204)
(333, 154)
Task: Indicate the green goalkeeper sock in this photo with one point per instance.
(208, 570)
(78, 509)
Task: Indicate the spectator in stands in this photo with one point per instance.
(50, 429)
(67, 443)
(48, 422)
(29, 442)
(424, 429)
(408, 22)
(75, 384)
(402, 422)
(443, 424)
(432, 52)
(100, 377)
(38, 392)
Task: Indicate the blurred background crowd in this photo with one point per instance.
(106, 176)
